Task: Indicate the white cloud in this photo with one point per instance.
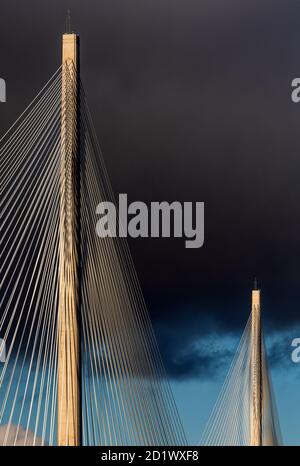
(12, 435)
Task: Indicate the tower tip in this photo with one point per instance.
(68, 22)
(255, 284)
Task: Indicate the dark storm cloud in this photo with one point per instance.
(191, 101)
(187, 354)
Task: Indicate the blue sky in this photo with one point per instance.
(196, 397)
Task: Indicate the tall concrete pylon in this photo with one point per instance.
(256, 371)
(69, 363)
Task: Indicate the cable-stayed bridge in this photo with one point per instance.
(245, 412)
(82, 364)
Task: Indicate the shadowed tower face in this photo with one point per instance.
(68, 429)
(256, 372)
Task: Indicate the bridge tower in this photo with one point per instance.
(69, 363)
(256, 371)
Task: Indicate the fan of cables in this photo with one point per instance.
(125, 394)
(231, 418)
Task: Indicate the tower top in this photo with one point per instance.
(70, 52)
(255, 294)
